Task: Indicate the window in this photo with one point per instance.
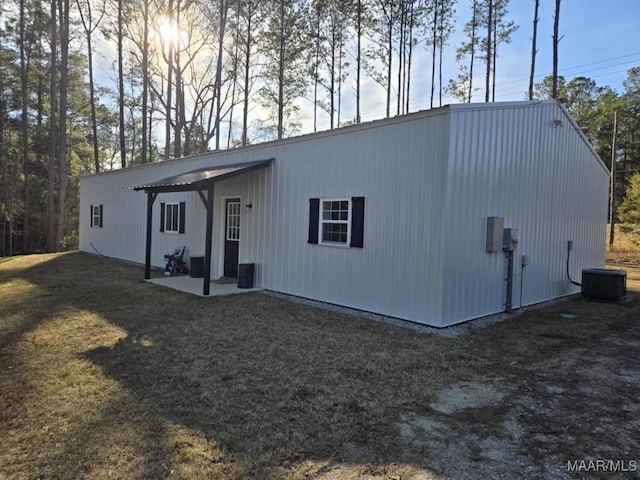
(334, 223)
(233, 220)
(337, 221)
(172, 217)
(96, 216)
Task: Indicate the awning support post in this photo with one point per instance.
(151, 197)
(208, 241)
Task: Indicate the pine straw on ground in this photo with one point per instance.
(105, 376)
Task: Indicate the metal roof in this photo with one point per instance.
(201, 178)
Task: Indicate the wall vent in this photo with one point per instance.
(604, 284)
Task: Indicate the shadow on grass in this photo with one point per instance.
(261, 379)
(271, 389)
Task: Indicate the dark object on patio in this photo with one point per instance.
(245, 275)
(196, 264)
(175, 262)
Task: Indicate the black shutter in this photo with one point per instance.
(182, 212)
(314, 212)
(91, 217)
(357, 222)
(100, 215)
(162, 217)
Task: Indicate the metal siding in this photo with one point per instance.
(398, 165)
(544, 180)
(396, 273)
(423, 257)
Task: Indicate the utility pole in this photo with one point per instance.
(612, 203)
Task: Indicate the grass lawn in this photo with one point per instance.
(105, 376)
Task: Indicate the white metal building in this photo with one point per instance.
(389, 216)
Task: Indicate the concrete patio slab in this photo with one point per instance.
(184, 283)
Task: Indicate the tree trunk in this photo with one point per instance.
(409, 58)
(62, 131)
(316, 73)
(556, 40)
(92, 98)
(218, 86)
(332, 77)
(400, 87)
(534, 51)
(440, 55)
(24, 129)
(123, 145)
(236, 55)
(494, 55)
(488, 51)
(4, 183)
(389, 61)
(358, 59)
(177, 142)
(145, 78)
(167, 126)
(281, 62)
(340, 64)
(89, 27)
(434, 44)
(247, 77)
(51, 207)
(409, 61)
(474, 21)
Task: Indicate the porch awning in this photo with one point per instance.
(199, 179)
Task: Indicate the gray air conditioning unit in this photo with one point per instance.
(603, 284)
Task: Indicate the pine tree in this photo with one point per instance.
(629, 210)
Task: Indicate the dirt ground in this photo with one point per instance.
(105, 376)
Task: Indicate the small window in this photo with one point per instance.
(96, 216)
(233, 220)
(335, 224)
(336, 221)
(172, 217)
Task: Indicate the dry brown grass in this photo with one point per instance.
(105, 376)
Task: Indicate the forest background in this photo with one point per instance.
(94, 85)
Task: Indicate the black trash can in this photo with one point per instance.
(245, 275)
(196, 267)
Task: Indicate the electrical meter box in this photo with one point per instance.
(510, 239)
(495, 226)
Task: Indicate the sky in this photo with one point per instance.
(600, 40)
